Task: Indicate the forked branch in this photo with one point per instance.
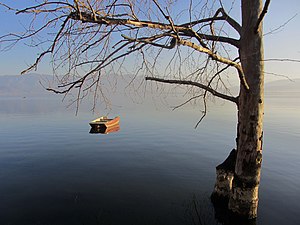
(224, 17)
(177, 29)
(262, 15)
(86, 43)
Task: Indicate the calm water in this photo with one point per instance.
(53, 171)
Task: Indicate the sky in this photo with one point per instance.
(281, 41)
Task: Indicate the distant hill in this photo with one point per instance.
(24, 85)
(29, 86)
(283, 87)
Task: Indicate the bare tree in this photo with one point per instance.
(191, 43)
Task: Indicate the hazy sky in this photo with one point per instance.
(284, 42)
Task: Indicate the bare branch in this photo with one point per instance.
(196, 84)
(149, 40)
(87, 17)
(231, 21)
(213, 55)
(217, 74)
(218, 58)
(225, 17)
(204, 112)
(7, 7)
(279, 75)
(86, 43)
(27, 10)
(187, 101)
(261, 16)
(208, 37)
(281, 26)
(50, 50)
(282, 60)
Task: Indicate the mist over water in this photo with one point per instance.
(53, 171)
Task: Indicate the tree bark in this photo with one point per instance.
(225, 174)
(244, 196)
(240, 183)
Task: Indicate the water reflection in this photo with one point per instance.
(225, 217)
(104, 129)
(200, 210)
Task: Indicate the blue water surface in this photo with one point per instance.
(53, 171)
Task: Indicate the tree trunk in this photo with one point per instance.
(225, 174)
(242, 190)
(244, 197)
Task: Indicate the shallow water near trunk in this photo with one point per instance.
(154, 170)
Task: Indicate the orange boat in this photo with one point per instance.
(104, 122)
(104, 130)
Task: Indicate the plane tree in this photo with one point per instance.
(193, 44)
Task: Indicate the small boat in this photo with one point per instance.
(104, 122)
(104, 130)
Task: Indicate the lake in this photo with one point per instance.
(153, 171)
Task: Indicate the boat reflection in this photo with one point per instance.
(104, 129)
(104, 121)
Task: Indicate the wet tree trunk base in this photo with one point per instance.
(232, 196)
(244, 201)
(224, 179)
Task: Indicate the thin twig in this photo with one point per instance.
(282, 60)
(190, 99)
(203, 113)
(281, 26)
(196, 84)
